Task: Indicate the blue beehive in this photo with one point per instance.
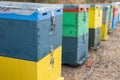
(30, 31)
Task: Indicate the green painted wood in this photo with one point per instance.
(75, 24)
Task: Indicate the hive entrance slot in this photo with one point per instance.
(44, 14)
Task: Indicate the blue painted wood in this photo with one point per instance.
(75, 50)
(29, 40)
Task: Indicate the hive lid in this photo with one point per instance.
(76, 8)
(14, 10)
(73, 6)
(55, 9)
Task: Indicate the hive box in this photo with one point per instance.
(34, 35)
(30, 42)
(75, 34)
(110, 19)
(105, 22)
(115, 17)
(95, 26)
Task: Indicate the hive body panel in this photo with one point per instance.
(75, 50)
(16, 69)
(94, 38)
(104, 32)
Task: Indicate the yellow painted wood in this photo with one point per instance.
(95, 19)
(92, 18)
(104, 32)
(16, 69)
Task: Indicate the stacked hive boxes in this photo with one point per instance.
(75, 34)
(95, 23)
(115, 16)
(118, 4)
(30, 43)
(110, 18)
(105, 21)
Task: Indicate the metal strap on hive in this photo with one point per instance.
(52, 56)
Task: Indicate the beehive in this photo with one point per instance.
(105, 22)
(75, 34)
(110, 18)
(31, 42)
(115, 16)
(95, 23)
(118, 4)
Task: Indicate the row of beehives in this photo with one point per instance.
(34, 37)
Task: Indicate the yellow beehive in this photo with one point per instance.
(104, 32)
(16, 69)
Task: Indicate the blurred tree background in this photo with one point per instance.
(66, 1)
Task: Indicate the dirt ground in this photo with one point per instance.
(106, 65)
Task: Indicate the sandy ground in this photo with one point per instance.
(106, 65)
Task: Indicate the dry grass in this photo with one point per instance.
(106, 65)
